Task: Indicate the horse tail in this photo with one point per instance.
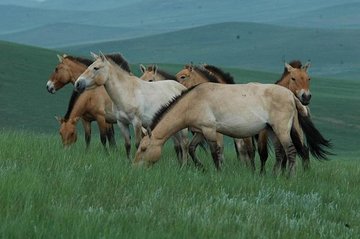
(315, 141)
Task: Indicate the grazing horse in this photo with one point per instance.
(67, 71)
(89, 106)
(135, 100)
(247, 109)
(193, 75)
(153, 73)
(297, 80)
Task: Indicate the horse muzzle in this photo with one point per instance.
(80, 86)
(50, 87)
(305, 99)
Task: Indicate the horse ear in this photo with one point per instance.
(155, 68)
(148, 129)
(60, 58)
(288, 67)
(93, 55)
(306, 66)
(102, 56)
(142, 68)
(59, 119)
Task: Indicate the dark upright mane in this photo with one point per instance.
(74, 96)
(162, 73)
(210, 77)
(226, 76)
(166, 75)
(119, 60)
(295, 63)
(166, 107)
(84, 61)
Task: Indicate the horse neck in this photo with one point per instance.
(172, 122)
(80, 107)
(284, 81)
(120, 79)
(76, 69)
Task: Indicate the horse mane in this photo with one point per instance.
(226, 76)
(82, 60)
(295, 63)
(119, 60)
(210, 77)
(166, 75)
(167, 106)
(74, 96)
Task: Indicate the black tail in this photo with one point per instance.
(315, 140)
(301, 149)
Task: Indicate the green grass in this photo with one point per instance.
(49, 192)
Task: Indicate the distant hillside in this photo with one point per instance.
(62, 34)
(23, 20)
(244, 45)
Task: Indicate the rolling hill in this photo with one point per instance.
(23, 21)
(245, 45)
(26, 105)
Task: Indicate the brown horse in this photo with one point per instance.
(297, 80)
(194, 75)
(249, 109)
(88, 106)
(153, 73)
(67, 71)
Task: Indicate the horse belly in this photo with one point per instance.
(242, 124)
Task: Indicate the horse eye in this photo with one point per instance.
(293, 79)
(309, 78)
(96, 68)
(182, 77)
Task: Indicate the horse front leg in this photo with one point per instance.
(125, 132)
(137, 124)
(195, 141)
(181, 144)
(215, 141)
(111, 135)
(263, 149)
(103, 129)
(87, 132)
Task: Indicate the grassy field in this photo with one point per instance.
(48, 192)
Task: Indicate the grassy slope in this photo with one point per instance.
(244, 45)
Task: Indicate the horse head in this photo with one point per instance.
(68, 130)
(298, 81)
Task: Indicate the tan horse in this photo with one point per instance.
(89, 106)
(297, 80)
(194, 75)
(249, 109)
(153, 73)
(135, 100)
(67, 71)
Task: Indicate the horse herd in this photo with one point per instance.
(202, 99)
